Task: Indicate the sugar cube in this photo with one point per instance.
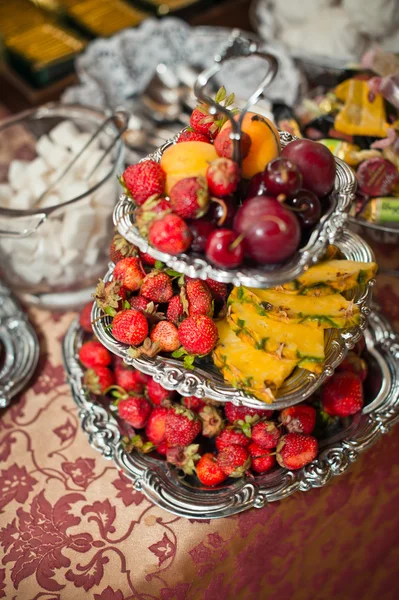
(64, 134)
(18, 173)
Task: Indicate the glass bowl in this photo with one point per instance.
(53, 250)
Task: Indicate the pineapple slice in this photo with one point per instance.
(330, 276)
(251, 370)
(287, 340)
(325, 312)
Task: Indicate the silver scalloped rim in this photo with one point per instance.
(328, 231)
(172, 374)
(162, 484)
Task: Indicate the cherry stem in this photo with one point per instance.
(276, 220)
(237, 241)
(221, 203)
(296, 209)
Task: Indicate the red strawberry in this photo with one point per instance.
(208, 471)
(144, 180)
(193, 403)
(189, 197)
(139, 303)
(162, 448)
(184, 458)
(85, 318)
(110, 296)
(135, 411)
(300, 418)
(235, 437)
(224, 144)
(218, 290)
(223, 176)
(154, 208)
(93, 354)
(262, 459)
(266, 434)
(352, 363)
(130, 327)
(147, 259)
(155, 428)
(157, 394)
(198, 335)
(203, 122)
(295, 450)
(121, 248)
(165, 335)
(342, 395)
(234, 460)
(98, 379)
(170, 234)
(129, 379)
(130, 273)
(143, 377)
(192, 136)
(157, 286)
(239, 413)
(175, 310)
(182, 426)
(212, 421)
(200, 301)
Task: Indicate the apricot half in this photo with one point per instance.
(189, 159)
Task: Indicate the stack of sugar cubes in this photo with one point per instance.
(67, 246)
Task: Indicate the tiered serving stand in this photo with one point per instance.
(161, 482)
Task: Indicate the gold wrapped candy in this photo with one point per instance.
(363, 113)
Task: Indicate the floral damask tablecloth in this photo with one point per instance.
(72, 527)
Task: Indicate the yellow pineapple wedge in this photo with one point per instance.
(251, 370)
(286, 340)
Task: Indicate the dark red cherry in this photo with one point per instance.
(315, 162)
(256, 186)
(224, 249)
(201, 230)
(306, 206)
(282, 178)
(222, 212)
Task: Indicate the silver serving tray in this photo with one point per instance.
(162, 484)
(208, 381)
(19, 348)
(328, 231)
(381, 234)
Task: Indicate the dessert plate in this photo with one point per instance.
(19, 348)
(162, 484)
(206, 381)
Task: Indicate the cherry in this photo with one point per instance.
(271, 232)
(225, 249)
(200, 229)
(282, 178)
(256, 185)
(307, 207)
(315, 162)
(222, 212)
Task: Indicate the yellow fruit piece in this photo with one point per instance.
(190, 159)
(246, 368)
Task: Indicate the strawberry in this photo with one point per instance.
(234, 460)
(157, 286)
(352, 363)
(93, 354)
(239, 413)
(266, 434)
(98, 379)
(193, 403)
(130, 327)
(121, 248)
(296, 450)
(155, 428)
(140, 303)
(229, 437)
(184, 458)
(218, 290)
(203, 122)
(262, 459)
(192, 136)
(224, 144)
(144, 180)
(189, 197)
(199, 297)
(223, 176)
(165, 335)
(143, 377)
(135, 410)
(212, 421)
(342, 395)
(154, 208)
(129, 379)
(175, 310)
(208, 471)
(300, 418)
(85, 318)
(130, 273)
(157, 394)
(170, 234)
(110, 296)
(198, 335)
(162, 448)
(147, 259)
(182, 426)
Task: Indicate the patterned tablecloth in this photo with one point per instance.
(72, 527)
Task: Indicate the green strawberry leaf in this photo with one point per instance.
(188, 361)
(220, 95)
(172, 273)
(229, 100)
(126, 304)
(179, 352)
(110, 311)
(158, 264)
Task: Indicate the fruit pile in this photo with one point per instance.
(198, 198)
(215, 443)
